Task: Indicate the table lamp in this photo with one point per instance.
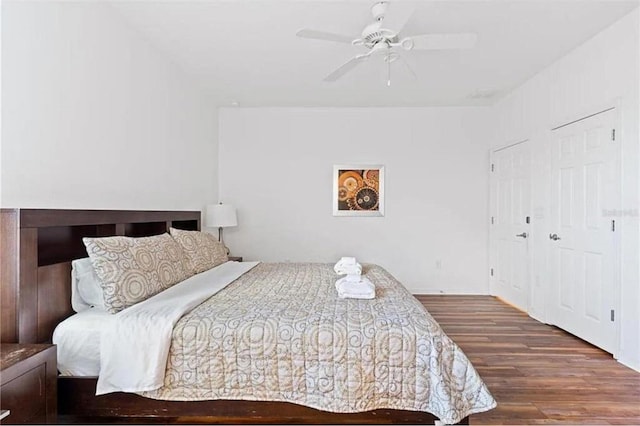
(221, 216)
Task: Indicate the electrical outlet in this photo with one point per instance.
(438, 264)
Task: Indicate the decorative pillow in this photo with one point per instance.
(133, 269)
(202, 250)
(86, 288)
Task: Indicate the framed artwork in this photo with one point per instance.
(358, 190)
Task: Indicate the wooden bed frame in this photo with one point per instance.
(37, 247)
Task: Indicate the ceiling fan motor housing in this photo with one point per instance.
(374, 33)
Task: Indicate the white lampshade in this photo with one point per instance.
(221, 216)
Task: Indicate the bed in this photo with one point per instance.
(56, 240)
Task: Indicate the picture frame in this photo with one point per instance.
(358, 190)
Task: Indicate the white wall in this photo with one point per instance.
(1, 104)
(94, 117)
(605, 71)
(276, 166)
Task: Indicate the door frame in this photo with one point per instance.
(584, 114)
(493, 213)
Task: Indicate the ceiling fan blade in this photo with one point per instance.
(397, 16)
(323, 35)
(345, 68)
(444, 41)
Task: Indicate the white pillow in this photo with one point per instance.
(86, 289)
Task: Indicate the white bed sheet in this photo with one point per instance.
(143, 331)
(78, 340)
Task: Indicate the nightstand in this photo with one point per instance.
(235, 258)
(28, 383)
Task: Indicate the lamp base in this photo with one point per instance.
(222, 240)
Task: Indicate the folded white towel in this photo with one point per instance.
(347, 261)
(364, 289)
(349, 270)
(353, 278)
(348, 265)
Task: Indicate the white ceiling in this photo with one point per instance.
(247, 51)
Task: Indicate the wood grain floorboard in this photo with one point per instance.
(537, 373)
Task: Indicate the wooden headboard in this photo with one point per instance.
(36, 250)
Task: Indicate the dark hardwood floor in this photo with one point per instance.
(537, 373)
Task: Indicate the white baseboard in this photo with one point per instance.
(633, 364)
(450, 291)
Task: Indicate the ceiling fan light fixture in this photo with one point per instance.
(380, 47)
(391, 57)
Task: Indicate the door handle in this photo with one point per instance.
(554, 237)
(523, 235)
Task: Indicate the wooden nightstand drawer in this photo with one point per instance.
(24, 396)
(28, 383)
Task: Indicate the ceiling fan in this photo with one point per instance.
(379, 40)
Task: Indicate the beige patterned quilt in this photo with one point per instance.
(280, 333)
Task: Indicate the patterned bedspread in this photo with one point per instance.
(280, 333)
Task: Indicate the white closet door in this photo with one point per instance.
(511, 201)
(582, 236)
